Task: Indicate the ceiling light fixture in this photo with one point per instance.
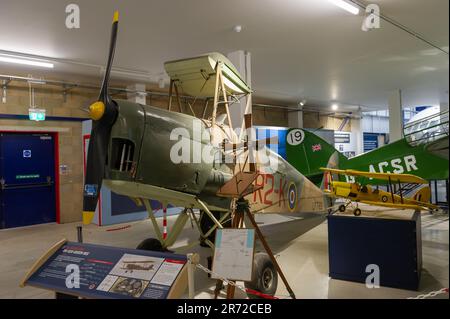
(16, 60)
(346, 6)
(334, 107)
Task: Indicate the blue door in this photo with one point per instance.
(27, 179)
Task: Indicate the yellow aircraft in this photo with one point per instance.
(355, 192)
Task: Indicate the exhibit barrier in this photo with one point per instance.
(431, 294)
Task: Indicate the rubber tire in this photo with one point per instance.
(342, 208)
(261, 263)
(357, 212)
(151, 244)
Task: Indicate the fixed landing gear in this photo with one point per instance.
(356, 210)
(264, 277)
(152, 244)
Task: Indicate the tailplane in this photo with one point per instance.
(308, 152)
(423, 195)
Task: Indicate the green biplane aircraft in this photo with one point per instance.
(133, 146)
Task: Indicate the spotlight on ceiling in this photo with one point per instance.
(20, 60)
(302, 103)
(237, 28)
(347, 6)
(334, 107)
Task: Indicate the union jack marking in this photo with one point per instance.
(316, 147)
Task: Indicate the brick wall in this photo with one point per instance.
(70, 145)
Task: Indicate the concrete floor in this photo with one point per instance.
(304, 259)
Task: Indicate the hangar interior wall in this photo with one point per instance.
(69, 133)
(315, 120)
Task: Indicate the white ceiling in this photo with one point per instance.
(300, 48)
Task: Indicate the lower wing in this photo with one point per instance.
(399, 206)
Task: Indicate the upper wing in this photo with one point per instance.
(397, 178)
(196, 75)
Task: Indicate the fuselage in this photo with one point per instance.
(159, 154)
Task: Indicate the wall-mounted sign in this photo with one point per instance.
(36, 114)
(90, 190)
(64, 169)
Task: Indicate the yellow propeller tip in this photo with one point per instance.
(116, 16)
(88, 217)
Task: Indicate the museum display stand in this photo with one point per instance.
(94, 271)
(389, 242)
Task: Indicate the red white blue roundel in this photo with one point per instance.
(292, 196)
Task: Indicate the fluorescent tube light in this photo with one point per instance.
(346, 6)
(9, 59)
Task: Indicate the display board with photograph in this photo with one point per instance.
(95, 271)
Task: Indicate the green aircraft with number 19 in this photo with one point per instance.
(423, 152)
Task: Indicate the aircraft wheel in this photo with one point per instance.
(342, 208)
(264, 277)
(357, 212)
(152, 244)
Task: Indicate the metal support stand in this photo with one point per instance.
(242, 209)
(243, 204)
(237, 222)
(80, 234)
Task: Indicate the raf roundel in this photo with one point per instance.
(292, 196)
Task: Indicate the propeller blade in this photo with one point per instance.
(95, 169)
(112, 48)
(103, 114)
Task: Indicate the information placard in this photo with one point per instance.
(109, 272)
(233, 254)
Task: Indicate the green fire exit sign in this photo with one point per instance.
(36, 114)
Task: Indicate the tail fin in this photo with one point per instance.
(307, 152)
(423, 195)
